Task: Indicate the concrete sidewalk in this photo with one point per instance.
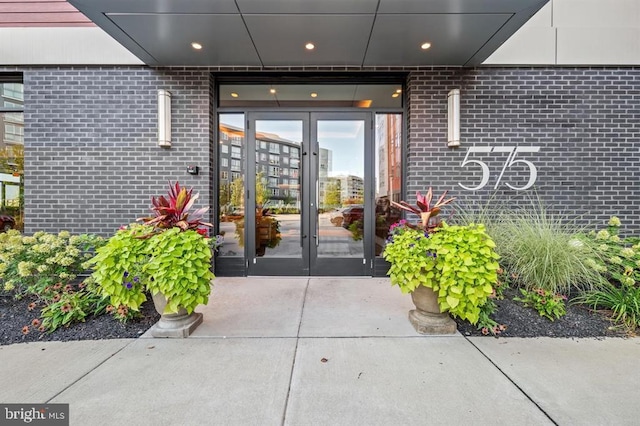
(326, 351)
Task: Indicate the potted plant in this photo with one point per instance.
(447, 269)
(168, 256)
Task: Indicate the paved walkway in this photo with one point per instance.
(326, 351)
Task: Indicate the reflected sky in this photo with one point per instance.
(345, 138)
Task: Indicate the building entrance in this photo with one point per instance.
(308, 194)
(303, 191)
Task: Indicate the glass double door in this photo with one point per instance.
(308, 194)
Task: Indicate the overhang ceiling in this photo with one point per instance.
(273, 33)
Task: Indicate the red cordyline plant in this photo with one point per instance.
(424, 208)
(173, 211)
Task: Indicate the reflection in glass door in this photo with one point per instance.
(307, 194)
(342, 208)
(277, 244)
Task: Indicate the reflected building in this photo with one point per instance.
(277, 162)
(351, 188)
(388, 156)
(11, 148)
(11, 123)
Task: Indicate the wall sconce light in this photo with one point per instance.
(453, 138)
(164, 118)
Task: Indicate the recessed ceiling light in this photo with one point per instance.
(425, 46)
(234, 95)
(309, 46)
(314, 95)
(196, 45)
(395, 95)
(398, 90)
(272, 91)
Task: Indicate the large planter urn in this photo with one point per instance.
(179, 325)
(427, 318)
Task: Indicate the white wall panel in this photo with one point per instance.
(584, 32)
(62, 46)
(596, 13)
(595, 46)
(529, 46)
(543, 18)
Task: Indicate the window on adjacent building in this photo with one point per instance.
(12, 149)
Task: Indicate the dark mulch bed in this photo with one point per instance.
(526, 322)
(520, 322)
(14, 315)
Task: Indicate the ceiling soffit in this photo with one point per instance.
(272, 33)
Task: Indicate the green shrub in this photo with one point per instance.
(619, 258)
(548, 304)
(620, 262)
(71, 306)
(46, 266)
(623, 301)
(28, 264)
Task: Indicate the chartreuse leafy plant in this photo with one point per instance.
(407, 250)
(168, 255)
(180, 269)
(467, 266)
(458, 262)
(117, 266)
(136, 259)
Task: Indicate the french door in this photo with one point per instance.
(308, 194)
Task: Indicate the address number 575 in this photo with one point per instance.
(511, 160)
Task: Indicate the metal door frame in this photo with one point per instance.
(309, 264)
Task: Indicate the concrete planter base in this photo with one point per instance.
(178, 325)
(427, 318)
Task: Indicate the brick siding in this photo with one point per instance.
(92, 158)
(585, 121)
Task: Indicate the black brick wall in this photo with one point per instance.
(92, 159)
(586, 122)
